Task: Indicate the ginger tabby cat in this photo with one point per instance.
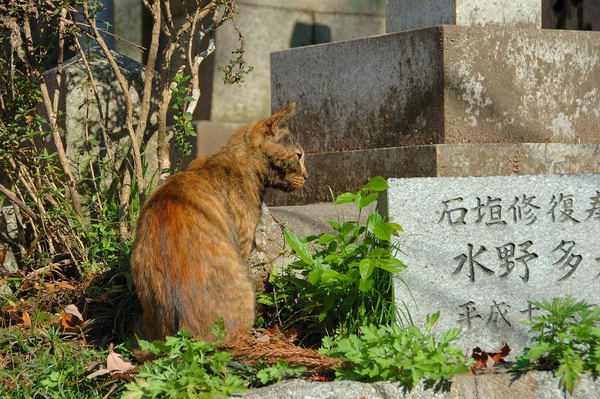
(195, 231)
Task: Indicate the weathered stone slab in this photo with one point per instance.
(358, 167)
(415, 14)
(479, 249)
(97, 136)
(532, 385)
(450, 84)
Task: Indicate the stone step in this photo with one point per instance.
(350, 170)
(532, 385)
(443, 85)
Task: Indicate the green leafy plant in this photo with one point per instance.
(183, 127)
(278, 372)
(567, 340)
(341, 280)
(389, 352)
(79, 173)
(189, 368)
(41, 364)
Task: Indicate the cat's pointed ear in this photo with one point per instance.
(278, 122)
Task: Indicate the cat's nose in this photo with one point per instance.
(305, 175)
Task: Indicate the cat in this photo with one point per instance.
(195, 231)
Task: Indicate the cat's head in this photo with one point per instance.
(286, 169)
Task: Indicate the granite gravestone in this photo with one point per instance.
(481, 249)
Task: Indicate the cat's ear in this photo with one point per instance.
(278, 122)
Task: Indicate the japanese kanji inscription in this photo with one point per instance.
(482, 249)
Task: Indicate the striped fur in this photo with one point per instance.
(195, 231)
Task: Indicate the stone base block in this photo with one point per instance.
(415, 14)
(532, 385)
(443, 85)
(211, 135)
(350, 170)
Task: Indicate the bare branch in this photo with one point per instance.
(169, 18)
(137, 158)
(15, 200)
(148, 80)
(195, 81)
(175, 43)
(51, 113)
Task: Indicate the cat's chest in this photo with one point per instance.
(246, 226)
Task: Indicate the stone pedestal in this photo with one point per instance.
(344, 171)
(466, 89)
(405, 15)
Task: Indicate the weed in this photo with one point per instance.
(345, 280)
(278, 372)
(190, 368)
(389, 352)
(41, 363)
(183, 128)
(567, 340)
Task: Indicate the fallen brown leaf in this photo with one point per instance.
(3, 253)
(115, 364)
(72, 310)
(26, 319)
(486, 360)
(72, 320)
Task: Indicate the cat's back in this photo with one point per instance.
(187, 202)
(196, 229)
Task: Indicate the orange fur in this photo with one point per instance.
(195, 231)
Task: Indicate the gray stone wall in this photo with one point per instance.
(269, 26)
(273, 25)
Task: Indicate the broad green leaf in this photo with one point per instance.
(329, 275)
(377, 183)
(347, 228)
(295, 242)
(364, 201)
(314, 276)
(334, 225)
(329, 301)
(373, 220)
(366, 268)
(366, 285)
(383, 231)
(326, 238)
(395, 226)
(394, 266)
(346, 197)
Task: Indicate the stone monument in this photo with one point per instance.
(481, 249)
(493, 122)
(486, 96)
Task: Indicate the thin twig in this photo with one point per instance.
(15, 200)
(139, 173)
(51, 113)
